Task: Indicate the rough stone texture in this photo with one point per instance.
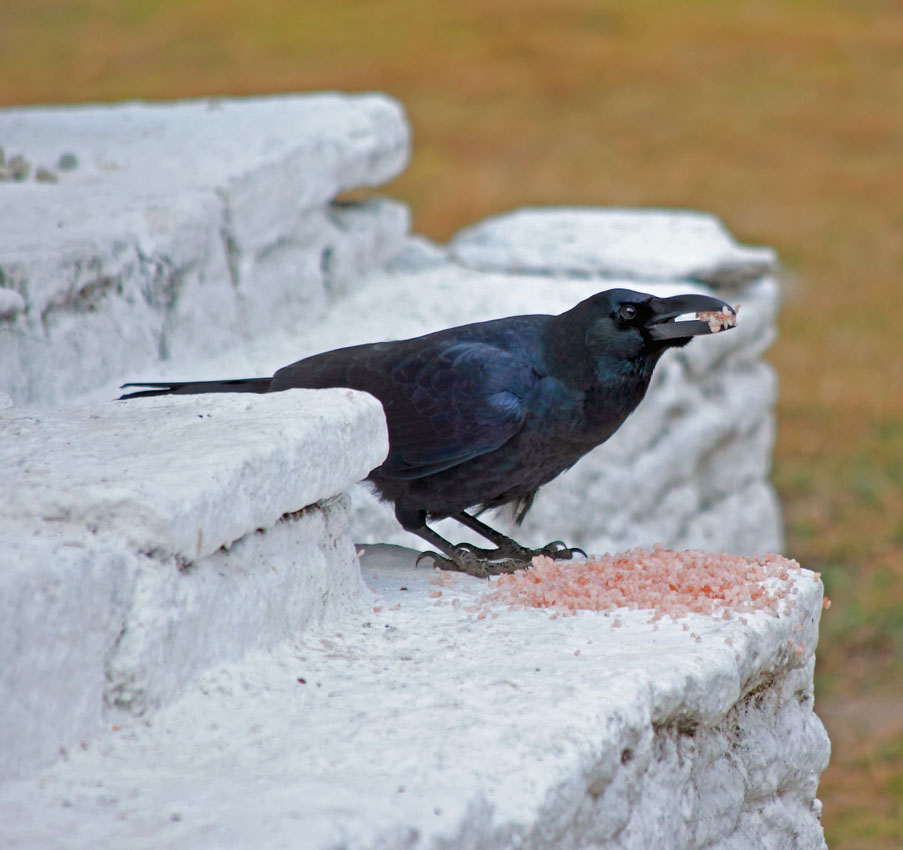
(129, 560)
(184, 228)
(417, 724)
(185, 476)
(632, 244)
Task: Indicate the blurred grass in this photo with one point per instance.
(785, 118)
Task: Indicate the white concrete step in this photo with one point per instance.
(416, 722)
(133, 554)
(183, 228)
(620, 243)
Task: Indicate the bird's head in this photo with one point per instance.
(626, 326)
(624, 318)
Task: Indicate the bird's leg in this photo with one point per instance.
(465, 558)
(508, 556)
(511, 549)
(458, 558)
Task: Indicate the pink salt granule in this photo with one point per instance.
(664, 581)
(442, 578)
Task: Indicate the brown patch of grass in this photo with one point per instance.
(786, 118)
(867, 793)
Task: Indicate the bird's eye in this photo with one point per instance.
(627, 311)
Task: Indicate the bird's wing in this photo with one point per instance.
(449, 404)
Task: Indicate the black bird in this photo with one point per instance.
(484, 414)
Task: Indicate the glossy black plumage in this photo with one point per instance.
(484, 414)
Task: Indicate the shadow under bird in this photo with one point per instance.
(483, 415)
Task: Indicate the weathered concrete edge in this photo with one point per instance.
(190, 289)
(103, 610)
(600, 752)
(125, 266)
(182, 476)
(90, 630)
(600, 242)
(752, 714)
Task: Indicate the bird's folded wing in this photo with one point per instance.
(453, 404)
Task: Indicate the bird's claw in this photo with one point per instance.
(559, 551)
(429, 554)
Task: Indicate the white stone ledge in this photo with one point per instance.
(415, 723)
(269, 157)
(132, 555)
(90, 630)
(62, 607)
(184, 227)
(183, 476)
(268, 586)
(635, 244)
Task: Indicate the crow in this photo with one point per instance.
(483, 415)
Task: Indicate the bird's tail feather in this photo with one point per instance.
(241, 385)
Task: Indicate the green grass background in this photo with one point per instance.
(785, 118)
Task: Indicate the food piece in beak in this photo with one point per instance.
(662, 325)
(720, 320)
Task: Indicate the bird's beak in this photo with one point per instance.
(661, 324)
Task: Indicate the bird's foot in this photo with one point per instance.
(480, 563)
